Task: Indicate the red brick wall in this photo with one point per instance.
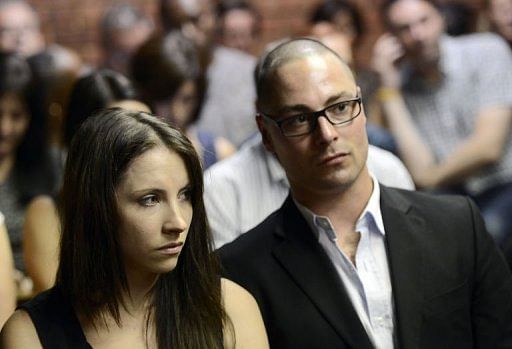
(74, 23)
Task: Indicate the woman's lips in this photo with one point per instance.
(171, 248)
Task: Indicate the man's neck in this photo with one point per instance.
(343, 207)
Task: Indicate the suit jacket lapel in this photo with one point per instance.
(403, 236)
(306, 262)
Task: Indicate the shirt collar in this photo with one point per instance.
(372, 211)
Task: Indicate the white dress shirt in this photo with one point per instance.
(367, 283)
(241, 191)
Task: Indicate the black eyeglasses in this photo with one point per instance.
(301, 124)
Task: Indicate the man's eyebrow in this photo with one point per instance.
(340, 97)
(302, 108)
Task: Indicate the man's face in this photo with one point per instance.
(418, 25)
(123, 43)
(239, 30)
(19, 30)
(331, 158)
(196, 19)
(500, 14)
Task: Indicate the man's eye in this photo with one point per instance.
(300, 119)
(340, 108)
(149, 200)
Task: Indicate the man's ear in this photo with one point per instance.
(362, 106)
(265, 135)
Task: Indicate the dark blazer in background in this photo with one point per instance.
(451, 287)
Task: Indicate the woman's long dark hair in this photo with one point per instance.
(161, 66)
(35, 170)
(91, 93)
(186, 306)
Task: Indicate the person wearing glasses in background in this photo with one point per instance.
(347, 262)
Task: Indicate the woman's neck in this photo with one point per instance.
(6, 165)
(140, 287)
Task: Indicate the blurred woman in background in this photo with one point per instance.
(7, 284)
(167, 74)
(28, 168)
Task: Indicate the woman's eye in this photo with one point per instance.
(185, 194)
(149, 200)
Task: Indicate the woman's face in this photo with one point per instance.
(14, 121)
(179, 110)
(155, 210)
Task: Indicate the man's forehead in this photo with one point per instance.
(312, 64)
(308, 83)
(404, 9)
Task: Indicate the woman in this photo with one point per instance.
(166, 71)
(97, 90)
(27, 166)
(135, 264)
(41, 243)
(7, 284)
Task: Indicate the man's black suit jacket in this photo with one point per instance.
(451, 287)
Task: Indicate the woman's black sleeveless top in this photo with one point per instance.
(55, 321)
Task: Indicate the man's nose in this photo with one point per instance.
(417, 32)
(326, 131)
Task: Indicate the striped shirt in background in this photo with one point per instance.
(241, 191)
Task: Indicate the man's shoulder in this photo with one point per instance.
(476, 40)
(256, 242)
(237, 168)
(476, 46)
(388, 168)
(227, 58)
(422, 197)
(429, 205)
(246, 157)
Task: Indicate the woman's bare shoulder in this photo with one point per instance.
(245, 317)
(19, 332)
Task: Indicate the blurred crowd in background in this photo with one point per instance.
(191, 62)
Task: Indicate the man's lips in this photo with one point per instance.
(333, 159)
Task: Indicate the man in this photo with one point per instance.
(241, 191)
(499, 13)
(20, 30)
(229, 101)
(239, 25)
(347, 262)
(449, 105)
(124, 28)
